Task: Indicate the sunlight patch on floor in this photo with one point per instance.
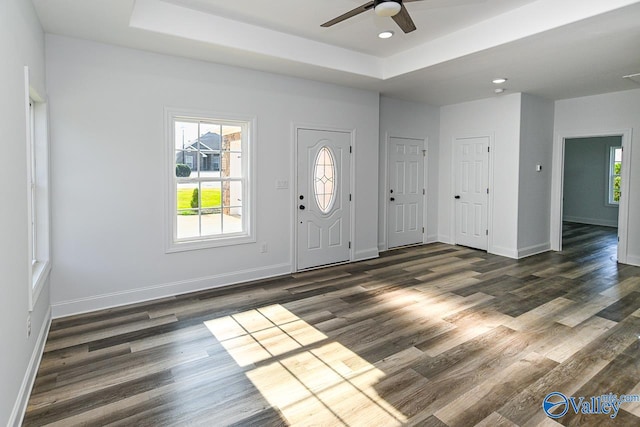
(301, 372)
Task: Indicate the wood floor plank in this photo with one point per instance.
(432, 335)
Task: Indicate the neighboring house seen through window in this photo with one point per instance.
(209, 184)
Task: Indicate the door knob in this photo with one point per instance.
(392, 199)
(301, 207)
(456, 197)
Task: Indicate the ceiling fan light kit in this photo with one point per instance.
(387, 8)
(395, 9)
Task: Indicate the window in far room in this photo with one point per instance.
(615, 169)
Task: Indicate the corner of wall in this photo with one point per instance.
(20, 406)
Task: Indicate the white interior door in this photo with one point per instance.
(406, 192)
(323, 220)
(471, 191)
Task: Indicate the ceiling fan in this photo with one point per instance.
(392, 8)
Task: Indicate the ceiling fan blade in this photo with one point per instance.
(404, 21)
(350, 14)
(447, 3)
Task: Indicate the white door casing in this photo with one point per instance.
(322, 199)
(405, 195)
(557, 187)
(471, 191)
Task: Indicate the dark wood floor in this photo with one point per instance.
(435, 335)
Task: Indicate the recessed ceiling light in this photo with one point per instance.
(386, 34)
(498, 90)
(499, 80)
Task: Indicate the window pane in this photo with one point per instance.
(212, 224)
(187, 223)
(211, 197)
(323, 179)
(232, 152)
(233, 198)
(209, 150)
(618, 155)
(232, 207)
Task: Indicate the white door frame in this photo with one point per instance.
(557, 186)
(387, 187)
(454, 170)
(294, 197)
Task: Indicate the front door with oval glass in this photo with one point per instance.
(322, 198)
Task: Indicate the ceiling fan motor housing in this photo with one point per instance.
(387, 7)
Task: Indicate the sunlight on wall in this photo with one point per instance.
(301, 372)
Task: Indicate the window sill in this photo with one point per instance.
(218, 242)
(40, 274)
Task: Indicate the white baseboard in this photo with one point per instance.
(505, 252)
(534, 250)
(633, 260)
(444, 239)
(591, 221)
(366, 254)
(99, 302)
(20, 406)
(432, 238)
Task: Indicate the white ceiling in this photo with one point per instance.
(552, 48)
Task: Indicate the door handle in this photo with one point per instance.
(393, 199)
(302, 207)
(456, 197)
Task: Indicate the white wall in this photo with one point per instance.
(107, 113)
(410, 120)
(586, 186)
(602, 114)
(534, 194)
(498, 118)
(21, 43)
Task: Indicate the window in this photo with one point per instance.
(37, 145)
(209, 187)
(615, 169)
(323, 180)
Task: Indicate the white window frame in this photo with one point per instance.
(611, 175)
(38, 199)
(248, 124)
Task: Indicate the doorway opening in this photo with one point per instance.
(589, 192)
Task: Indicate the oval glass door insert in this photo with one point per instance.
(324, 174)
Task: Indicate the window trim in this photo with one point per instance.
(172, 244)
(611, 176)
(38, 194)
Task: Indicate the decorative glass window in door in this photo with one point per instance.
(324, 174)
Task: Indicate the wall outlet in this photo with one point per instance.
(264, 248)
(28, 325)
